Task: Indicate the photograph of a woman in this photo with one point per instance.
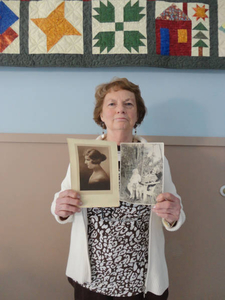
(99, 179)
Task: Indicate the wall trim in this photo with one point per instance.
(61, 139)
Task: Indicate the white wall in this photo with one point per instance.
(61, 100)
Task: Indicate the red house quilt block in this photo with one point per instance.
(182, 29)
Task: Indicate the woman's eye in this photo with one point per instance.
(129, 104)
(111, 104)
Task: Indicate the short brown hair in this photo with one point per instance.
(118, 84)
(95, 156)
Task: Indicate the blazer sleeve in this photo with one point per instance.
(65, 185)
(169, 187)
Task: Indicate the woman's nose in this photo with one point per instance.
(120, 108)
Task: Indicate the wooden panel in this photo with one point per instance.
(195, 254)
(34, 247)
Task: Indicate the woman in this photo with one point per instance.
(119, 252)
(98, 180)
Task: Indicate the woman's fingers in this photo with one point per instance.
(69, 193)
(168, 207)
(68, 203)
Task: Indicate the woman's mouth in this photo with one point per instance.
(121, 119)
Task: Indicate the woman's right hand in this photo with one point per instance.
(67, 204)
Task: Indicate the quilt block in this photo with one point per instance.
(221, 27)
(182, 29)
(9, 26)
(56, 27)
(119, 27)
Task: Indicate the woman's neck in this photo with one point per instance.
(119, 137)
(97, 168)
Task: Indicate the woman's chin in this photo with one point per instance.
(123, 127)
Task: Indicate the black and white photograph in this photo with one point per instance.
(141, 172)
(94, 172)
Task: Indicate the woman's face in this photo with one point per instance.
(88, 162)
(119, 110)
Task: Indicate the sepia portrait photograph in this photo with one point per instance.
(94, 172)
(94, 166)
(141, 172)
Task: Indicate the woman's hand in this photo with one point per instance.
(168, 207)
(67, 204)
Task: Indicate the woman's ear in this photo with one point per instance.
(101, 117)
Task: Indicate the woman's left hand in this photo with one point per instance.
(168, 207)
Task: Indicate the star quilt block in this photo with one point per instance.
(56, 26)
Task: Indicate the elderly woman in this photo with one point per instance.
(98, 180)
(118, 253)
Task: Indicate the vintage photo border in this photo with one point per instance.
(95, 198)
(137, 190)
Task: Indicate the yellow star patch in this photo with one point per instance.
(200, 12)
(55, 26)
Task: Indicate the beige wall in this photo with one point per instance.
(34, 247)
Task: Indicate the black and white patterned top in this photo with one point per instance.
(118, 248)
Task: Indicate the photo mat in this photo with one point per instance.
(94, 172)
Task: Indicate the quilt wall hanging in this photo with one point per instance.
(182, 34)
